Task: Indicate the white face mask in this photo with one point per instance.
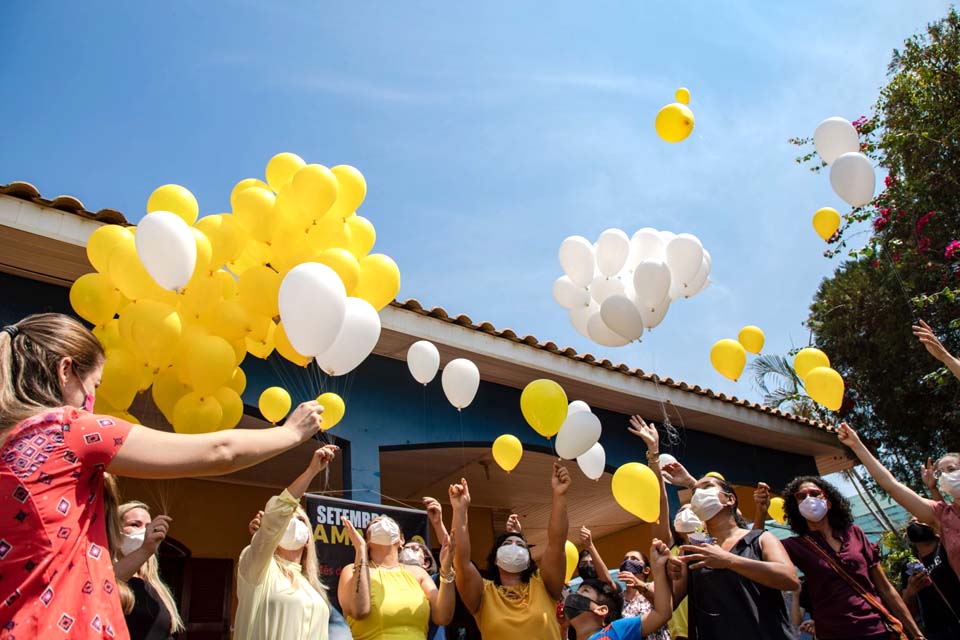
(813, 509)
(687, 521)
(513, 558)
(384, 532)
(411, 556)
(706, 503)
(950, 484)
(296, 536)
(132, 541)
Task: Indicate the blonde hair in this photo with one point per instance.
(309, 563)
(149, 572)
(30, 354)
(111, 507)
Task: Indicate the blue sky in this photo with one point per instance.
(487, 133)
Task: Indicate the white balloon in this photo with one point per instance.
(358, 336)
(700, 280)
(665, 459)
(621, 315)
(603, 287)
(853, 179)
(312, 304)
(423, 360)
(569, 295)
(594, 462)
(666, 237)
(613, 248)
(647, 244)
(460, 381)
(684, 256)
(834, 137)
(577, 260)
(167, 249)
(578, 433)
(655, 315)
(577, 405)
(603, 335)
(651, 281)
(581, 316)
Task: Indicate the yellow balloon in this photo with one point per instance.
(129, 276)
(239, 350)
(259, 327)
(362, 236)
(243, 185)
(274, 404)
(826, 221)
(543, 404)
(254, 253)
(232, 406)
(379, 280)
(94, 298)
(254, 212)
(333, 410)
(507, 452)
(353, 187)
(154, 331)
(281, 168)
(238, 382)
(751, 338)
(683, 95)
(825, 386)
(729, 358)
(227, 319)
(167, 391)
(102, 243)
(345, 264)
(227, 239)
(674, 122)
(204, 253)
(262, 348)
(108, 334)
(202, 293)
(197, 413)
(809, 359)
(211, 363)
(285, 349)
(291, 247)
(637, 490)
(287, 209)
(777, 510)
(228, 284)
(175, 199)
(258, 290)
(329, 233)
(120, 380)
(572, 558)
(315, 188)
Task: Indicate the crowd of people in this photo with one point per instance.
(76, 561)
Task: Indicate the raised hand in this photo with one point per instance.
(629, 579)
(459, 495)
(761, 495)
(254, 525)
(675, 567)
(646, 431)
(434, 510)
(560, 481)
(586, 539)
(323, 457)
(677, 475)
(706, 555)
(659, 553)
(447, 550)
(155, 532)
(928, 474)
(305, 420)
(932, 343)
(359, 542)
(513, 524)
(848, 436)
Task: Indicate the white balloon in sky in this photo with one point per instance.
(602, 334)
(651, 281)
(853, 179)
(593, 462)
(834, 137)
(621, 315)
(652, 316)
(603, 287)
(580, 316)
(568, 295)
(613, 247)
(577, 260)
(647, 244)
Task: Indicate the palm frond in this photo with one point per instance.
(779, 369)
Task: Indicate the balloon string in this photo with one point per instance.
(463, 449)
(381, 495)
(903, 289)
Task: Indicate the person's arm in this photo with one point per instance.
(762, 497)
(677, 475)
(919, 506)
(651, 437)
(554, 560)
(513, 524)
(894, 602)
(128, 566)
(158, 455)
(935, 348)
(442, 598)
(435, 516)
(915, 584)
(796, 613)
(662, 598)
(469, 580)
(603, 573)
(775, 570)
(679, 575)
(928, 473)
(353, 590)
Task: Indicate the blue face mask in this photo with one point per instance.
(636, 567)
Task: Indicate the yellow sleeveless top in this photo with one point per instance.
(520, 612)
(678, 622)
(399, 609)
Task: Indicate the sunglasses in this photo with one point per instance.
(810, 493)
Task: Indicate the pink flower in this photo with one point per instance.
(924, 219)
(923, 244)
(952, 249)
(879, 223)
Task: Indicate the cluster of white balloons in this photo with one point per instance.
(460, 379)
(579, 438)
(621, 285)
(851, 172)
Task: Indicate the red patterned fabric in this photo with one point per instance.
(56, 576)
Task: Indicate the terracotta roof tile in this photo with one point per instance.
(68, 204)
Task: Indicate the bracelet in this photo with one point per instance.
(653, 456)
(449, 578)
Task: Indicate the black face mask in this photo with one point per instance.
(575, 604)
(636, 567)
(919, 532)
(587, 572)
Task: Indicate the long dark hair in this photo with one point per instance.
(838, 516)
(493, 571)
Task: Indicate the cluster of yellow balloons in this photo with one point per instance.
(820, 381)
(826, 221)
(275, 403)
(729, 357)
(187, 345)
(674, 122)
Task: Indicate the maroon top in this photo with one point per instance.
(838, 610)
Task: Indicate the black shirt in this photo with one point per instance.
(149, 619)
(934, 609)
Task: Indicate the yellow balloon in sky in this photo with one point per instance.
(507, 452)
(826, 221)
(379, 280)
(246, 183)
(212, 363)
(333, 410)
(94, 298)
(274, 404)
(258, 290)
(175, 199)
(281, 168)
(329, 233)
(254, 253)
(316, 189)
(204, 253)
(572, 559)
(227, 239)
(197, 413)
(809, 359)
(129, 276)
(201, 294)
(543, 404)
(254, 212)
(285, 349)
(683, 95)
(345, 264)
(362, 236)
(674, 122)
(228, 319)
(353, 187)
(636, 489)
(825, 386)
(777, 510)
(102, 243)
(751, 338)
(232, 406)
(729, 358)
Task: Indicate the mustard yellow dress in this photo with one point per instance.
(520, 612)
(399, 609)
